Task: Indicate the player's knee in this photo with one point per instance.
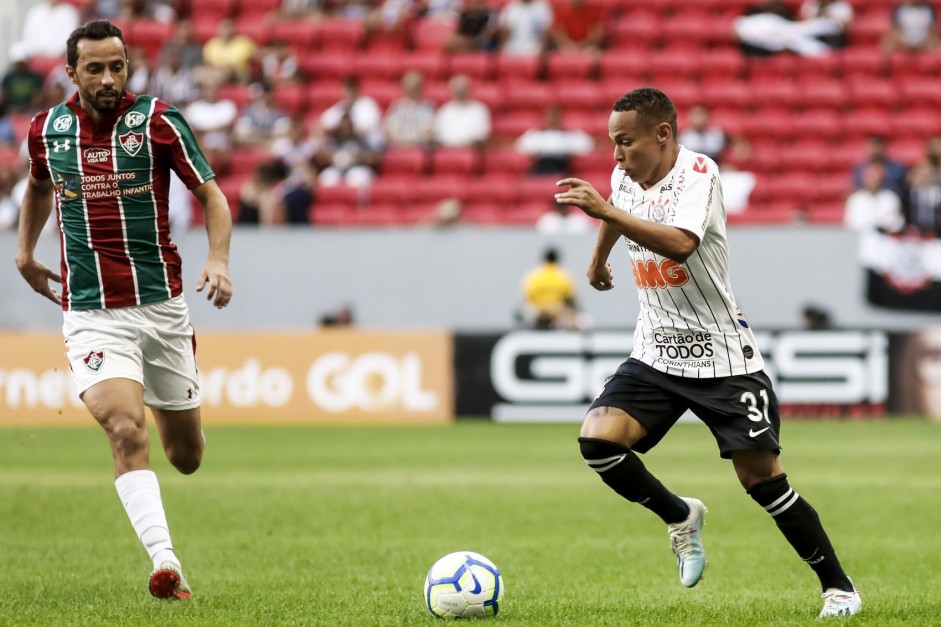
(186, 458)
(128, 436)
(598, 453)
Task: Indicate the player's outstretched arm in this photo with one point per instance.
(599, 270)
(215, 273)
(37, 204)
(668, 241)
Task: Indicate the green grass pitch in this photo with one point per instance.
(338, 526)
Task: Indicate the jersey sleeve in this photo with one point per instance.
(173, 135)
(695, 203)
(38, 167)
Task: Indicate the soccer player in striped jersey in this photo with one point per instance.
(105, 155)
(693, 348)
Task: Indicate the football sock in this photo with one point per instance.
(622, 470)
(800, 524)
(140, 495)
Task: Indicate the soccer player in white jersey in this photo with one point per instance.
(693, 349)
(105, 155)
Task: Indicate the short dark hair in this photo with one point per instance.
(96, 30)
(551, 255)
(651, 104)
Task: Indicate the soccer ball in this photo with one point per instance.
(463, 585)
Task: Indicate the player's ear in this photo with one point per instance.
(664, 132)
(70, 71)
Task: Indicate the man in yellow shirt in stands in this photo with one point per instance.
(548, 294)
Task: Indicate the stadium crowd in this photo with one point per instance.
(362, 112)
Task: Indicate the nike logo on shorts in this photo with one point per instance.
(753, 433)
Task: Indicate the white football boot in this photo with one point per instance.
(686, 538)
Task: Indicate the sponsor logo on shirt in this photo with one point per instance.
(700, 166)
(650, 275)
(97, 155)
(67, 188)
(684, 346)
(62, 123)
(134, 118)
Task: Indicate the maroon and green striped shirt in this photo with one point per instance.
(112, 181)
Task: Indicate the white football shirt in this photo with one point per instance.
(689, 324)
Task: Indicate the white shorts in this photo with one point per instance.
(152, 344)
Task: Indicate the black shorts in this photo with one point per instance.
(741, 411)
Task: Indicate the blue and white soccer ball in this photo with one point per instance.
(463, 585)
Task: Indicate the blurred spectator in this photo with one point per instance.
(8, 135)
(278, 63)
(447, 213)
(391, 17)
(179, 205)
(138, 71)
(738, 153)
(816, 318)
(262, 119)
(874, 207)
(577, 25)
(342, 317)
(924, 200)
(919, 374)
(172, 81)
(547, 290)
(22, 87)
(552, 147)
(563, 219)
(770, 27)
(914, 28)
(839, 15)
(895, 171)
(212, 119)
(476, 28)
(363, 110)
(410, 119)
(183, 44)
(524, 25)
(160, 10)
(701, 136)
(56, 88)
(298, 10)
(261, 200)
(462, 121)
(346, 157)
(297, 149)
(9, 206)
(933, 156)
(352, 9)
(228, 53)
(737, 186)
(46, 28)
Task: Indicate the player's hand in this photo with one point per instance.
(600, 277)
(582, 195)
(216, 276)
(38, 275)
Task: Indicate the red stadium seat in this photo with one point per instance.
(337, 195)
(246, 160)
(380, 215)
(571, 66)
(627, 68)
(431, 64)
(726, 93)
(383, 91)
(484, 213)
(301, 35)
(782, 92)
(332, 214)
(523, 96)
(341, 34)
(721, 63)
(825, 94)
(464, 161)
(922, 90)
(921, 122)
(825, 123)
(213, 9)
(393, 189)
(438, 188)
(579, 94)
(671, 65)
(505, 161)
(407, 160)
(500, 188)
(378, 66)
(864, 61)
(323, 94)
(315, 65)
(866, 92)
(254, 28)
(866, 122)
(430, 34)
(634, 32)
(513, 68)
(149, 35)
(291, 97)
(511, 125)
(257, 9)
(477, 65)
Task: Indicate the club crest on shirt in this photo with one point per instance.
(134, 118)
(94, 360)
(131, 142)
(62, 123)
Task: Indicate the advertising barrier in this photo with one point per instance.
(333, 376)
(539, 376)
